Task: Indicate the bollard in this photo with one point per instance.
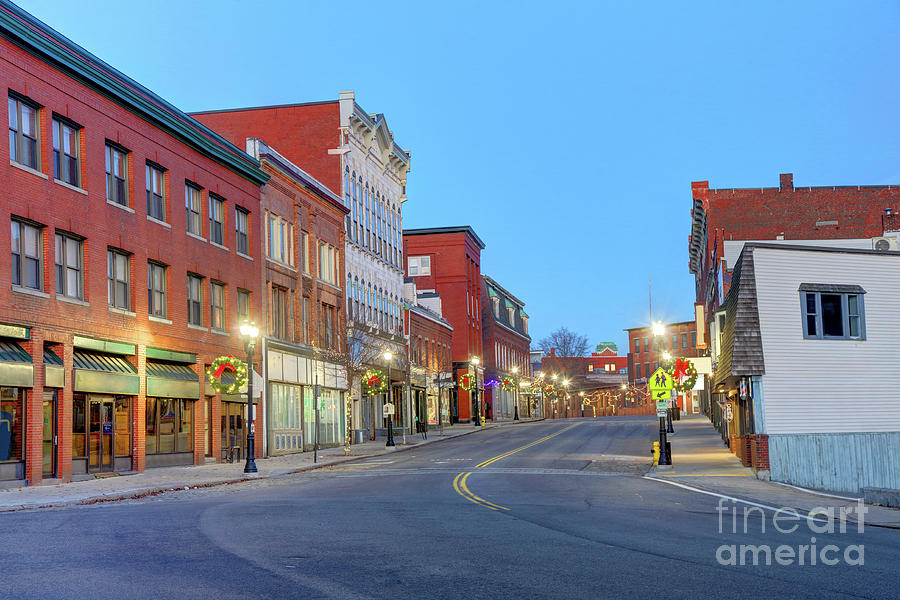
(654, 451)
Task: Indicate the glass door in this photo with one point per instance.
(101, 436)
(49, 438)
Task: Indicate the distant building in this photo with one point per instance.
(506, 346)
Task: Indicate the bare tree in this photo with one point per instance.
(566, 343)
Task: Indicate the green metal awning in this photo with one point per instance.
(104, 373)
(171, 380)
(510, 304)
(16, 369)
(54, 372)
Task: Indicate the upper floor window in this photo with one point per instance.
(192, 200)
(27, 255)
(195, 300)
(24, 146)
(280, 240)
(511, 313)
(833, 311)
(684, 340)
(216, 220)
(637, 345)
(281, 313)
(646, 344)
(119, 278)
(328, 267)
(69, 266)
(242, 230)
(243, 306)
(116, 174)
(156, 192)
(217, 306)
(419, 265)
(156, 289)
(525, 324)
(495, 304)
(304, 251)
(693, 339)
(66, 151)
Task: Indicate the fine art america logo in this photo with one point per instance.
(821, 521)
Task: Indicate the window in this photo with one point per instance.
(637, 345)
(328, 319)
(647, 372)
(693, 339)
(156, 192)
(243, 306)
(328, 263)
(168, 425)
(69, 267)
(23, 133)
(280, 240)
(684, 340)
(833, 311)
(637, 370)
(27, 255)
(419, 265)
(646, 344)
(217, 306)
(156, 289)
(674, 341)
(192, 199)
(195, 300)
(65, 152)
(242, 230)
(304, 251)
(117, 268)
(116, 173)
(305, 331)
(216, 220)
(280, 313)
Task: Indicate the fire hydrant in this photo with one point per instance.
(654, 451)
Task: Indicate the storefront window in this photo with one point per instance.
(78, 427)
(286, 408)
(331, 418)
(184, 426)
(169, 425)
(123, 427)
(150, 420)
(11, 433)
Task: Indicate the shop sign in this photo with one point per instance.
(388, 409)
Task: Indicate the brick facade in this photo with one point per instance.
(507, 346)
(35, 197)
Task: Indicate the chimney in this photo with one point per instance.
(552, 351)
(889, 222)
(787, 182)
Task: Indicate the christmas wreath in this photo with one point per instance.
(466, 382)
(629, 395)
(684, 374)
(374, 381)
(508, 384)
(549, 390)
(217, 369)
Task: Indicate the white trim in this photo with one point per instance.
(120, 311)
(158, 222)
(30, 291)
(119, 206)
(212, 243)
(195, 236)
(19, 165)
(242, 255)
(74, 188)
(159, 320)
(197, 327)
(71, 300)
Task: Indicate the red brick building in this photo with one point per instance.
(645, 351)
(134, 259)
(507, 348)
(447, 260)
(594, 383)
(778, 213)
(430, 341)
(303, 246)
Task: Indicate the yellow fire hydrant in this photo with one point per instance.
(655, 451)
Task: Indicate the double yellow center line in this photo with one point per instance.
(459, 483)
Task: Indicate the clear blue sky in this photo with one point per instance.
(567, 134)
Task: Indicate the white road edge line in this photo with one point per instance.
(733, 499)
(808, 491)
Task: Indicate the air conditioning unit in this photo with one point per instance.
(884, 244)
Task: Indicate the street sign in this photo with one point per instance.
(388, 409)
(661, 394)
(660, 380)
(661, 406)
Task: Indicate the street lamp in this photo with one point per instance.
(566, 385)
(250, 332)
(515, 371)
(388, 356)
(664, 458)
(475, 360)
(541, 385)
(582, 403)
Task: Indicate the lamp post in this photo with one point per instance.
(669, 429)
(250, 332)
(475, 360)
(515, 371)
(541, 386)
(566, 385)
(582, 403)
(664, 458)
(388, 356)
(624, 392)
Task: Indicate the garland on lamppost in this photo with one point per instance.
(507, 384)
(466, 382)
(374, 381)
(217, 369)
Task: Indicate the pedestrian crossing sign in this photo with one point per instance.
(660, 381)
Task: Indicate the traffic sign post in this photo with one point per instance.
(660, 385)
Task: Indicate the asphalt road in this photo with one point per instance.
(567, 515)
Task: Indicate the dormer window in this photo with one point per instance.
(495, 302)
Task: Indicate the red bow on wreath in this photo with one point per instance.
(373, 381)
(222, 368)
(681, 369)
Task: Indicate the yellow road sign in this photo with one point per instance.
(660, 380)
(661, 394)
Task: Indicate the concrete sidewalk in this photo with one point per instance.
(700, 460)
(164, 479)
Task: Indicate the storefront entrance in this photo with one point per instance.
(233, 430)
(100, 437)
(49, 438)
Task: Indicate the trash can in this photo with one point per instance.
(359, 436)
